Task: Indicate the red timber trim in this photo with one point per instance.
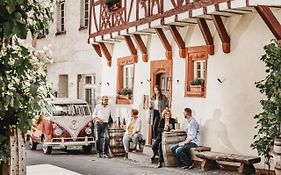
(97, 49)
(121, 62)
(225, 39)
(179, 41)
(204, 28)
(106, 53)
(131, 47)
(165, 43)
(270, 20)
(141, 46)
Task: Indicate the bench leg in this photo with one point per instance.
(246, 169)
(208, 165)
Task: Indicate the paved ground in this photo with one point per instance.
(88, 164)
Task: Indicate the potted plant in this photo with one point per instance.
(196, 86)
(112, 5)
(125, 93)
(268, 121)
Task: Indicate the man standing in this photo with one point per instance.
(101, 117)
(182, 149)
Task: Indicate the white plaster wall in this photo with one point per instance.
(71, 53)
(226, 114)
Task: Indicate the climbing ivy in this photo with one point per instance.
(268, 121)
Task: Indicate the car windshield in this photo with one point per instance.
(70, 110)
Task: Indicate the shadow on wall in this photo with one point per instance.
(214, 132)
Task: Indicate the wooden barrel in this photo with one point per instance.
(169, 139)
(277, 145)
(116, 142)
(278, 168)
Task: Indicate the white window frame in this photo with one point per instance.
(128, 76)
(61, 16)
(84, 13)
(202, 69)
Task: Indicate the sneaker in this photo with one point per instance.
(126, 156)
(160, 165)
(191, 166)
(106, 156)
(98, 155)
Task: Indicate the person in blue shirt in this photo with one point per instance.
(182, 149)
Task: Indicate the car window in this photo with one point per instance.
(70, 110)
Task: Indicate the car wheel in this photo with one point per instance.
(32, 144)
(47, 149)
(87, 149)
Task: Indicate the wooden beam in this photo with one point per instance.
(106, 53)
(270, 20)
(179, 41)
(131, 46)
(204, 28)
(97, 49)
(141, 46)
(225, 39)
(164, 42)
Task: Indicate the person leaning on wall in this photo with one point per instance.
(158, 103)
(167, 123)
(133, 131)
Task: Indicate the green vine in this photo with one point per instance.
(268, 121)
(23, 83)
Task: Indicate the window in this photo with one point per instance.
(125, 80)
(196, 71)
(84, 15)
(60, 18)
(88, 79)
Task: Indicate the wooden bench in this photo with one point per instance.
(246, 162)
(199, 149)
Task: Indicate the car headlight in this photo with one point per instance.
(58, 131)
(88, 130)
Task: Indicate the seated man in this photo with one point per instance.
(133, 128)
(182, 149)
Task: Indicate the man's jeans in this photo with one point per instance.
(102, 138)
(183, 153)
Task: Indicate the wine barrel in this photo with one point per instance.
(168, 140)
(277, 146)
(116, 142)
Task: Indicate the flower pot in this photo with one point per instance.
(277, 146)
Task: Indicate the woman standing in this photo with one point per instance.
(133, 129)
(158, 103)
(166, 124)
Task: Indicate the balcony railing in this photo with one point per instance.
(134, 13)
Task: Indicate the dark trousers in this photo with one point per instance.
(157, 147)
(156, 119)
(183, 153)
(102, 138)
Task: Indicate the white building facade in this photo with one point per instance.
(76, 69)
(226, 108)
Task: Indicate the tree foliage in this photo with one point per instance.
(23, 84)
(268, 121)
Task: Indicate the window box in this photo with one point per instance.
(196, 90)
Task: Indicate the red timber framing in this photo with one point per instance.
(165, 43)
(270, 20)
(225, 39)
(97, 49)
(204, 28)
(141, 46)
(106, 53)
(179, 40)
(131, 47)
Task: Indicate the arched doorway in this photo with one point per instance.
(161, 74)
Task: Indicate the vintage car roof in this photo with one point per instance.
(66, 101)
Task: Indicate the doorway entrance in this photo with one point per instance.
(161, 75)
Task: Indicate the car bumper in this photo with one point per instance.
(62, 142)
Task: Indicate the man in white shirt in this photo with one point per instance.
(101, 117)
